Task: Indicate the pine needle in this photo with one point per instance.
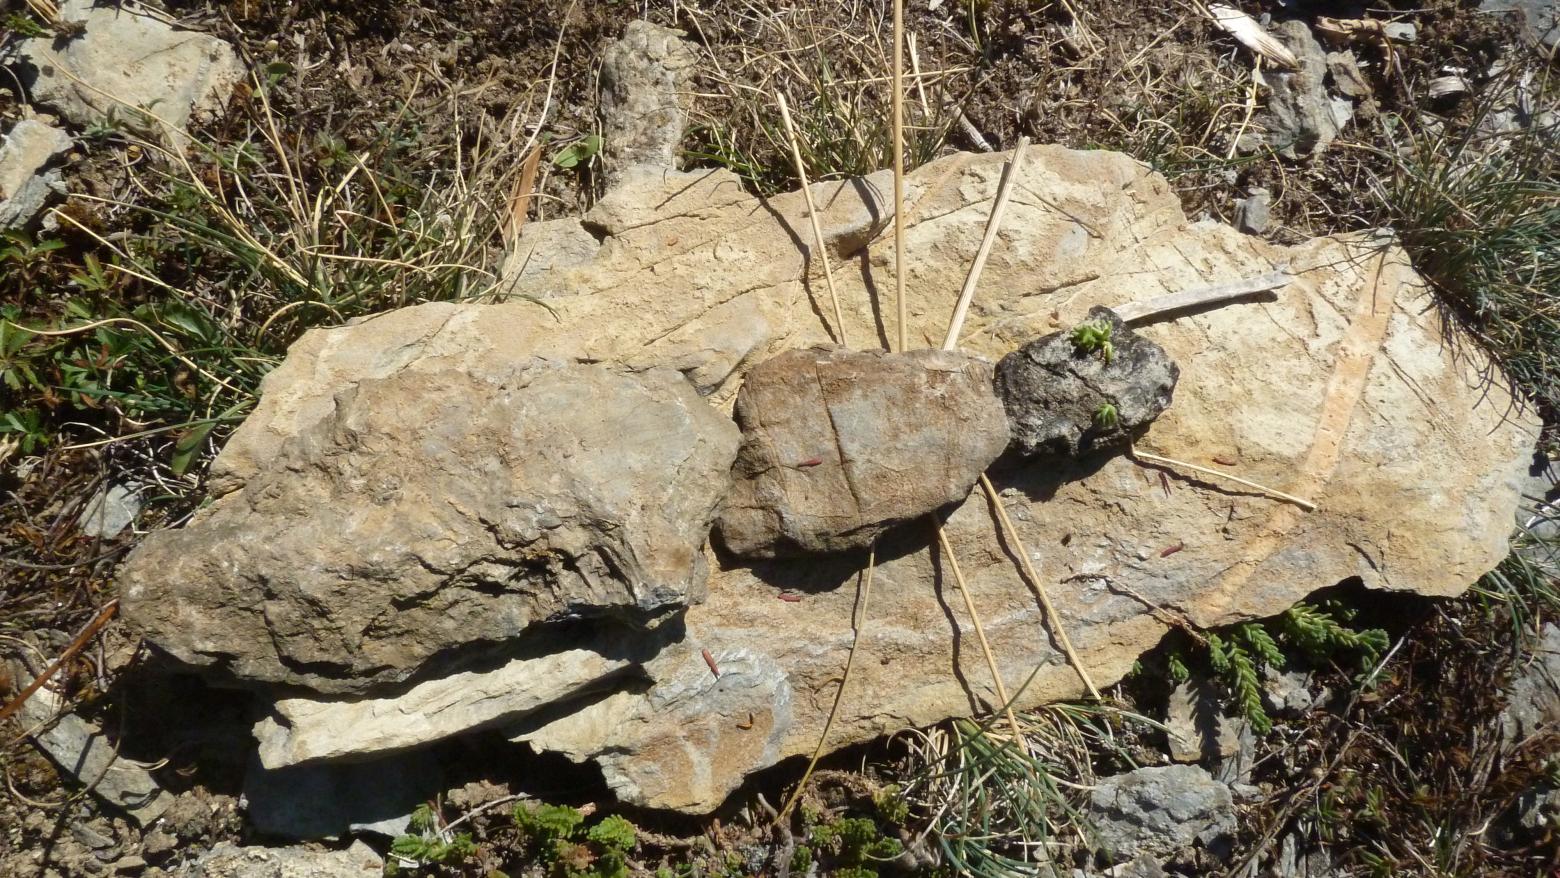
(1301, 502)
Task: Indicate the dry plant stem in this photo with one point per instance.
(1301, 502)
(980, 634)
(899, 173)
(812, 216)
(1135, 312)
(75, 646)
(863, 596)
(993, 224)
(1051, 616)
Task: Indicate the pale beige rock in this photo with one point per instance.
(128, 68)
(310, 729)
(1345, 390)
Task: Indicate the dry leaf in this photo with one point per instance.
(1250, 34)
(520, 197)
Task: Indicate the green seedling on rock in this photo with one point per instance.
(1106, 416)
(1094, 335)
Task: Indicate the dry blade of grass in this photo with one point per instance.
(899, 175)
(812, 218)
(858, 621)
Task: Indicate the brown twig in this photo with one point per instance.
(82, 639)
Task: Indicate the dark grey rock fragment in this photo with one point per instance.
(1161, 810)
(1055, 392)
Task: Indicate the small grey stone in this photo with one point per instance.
(1401, 31)
(1301, 119)
(1533, 699)
(1289, 692)
(1161, 810)
(85, 753)
(26, 181)
(227, 860)
(1196, 726)
(1251, 212)
(1346, 75)
(839, 446)
(1054, 392)
(112, 509)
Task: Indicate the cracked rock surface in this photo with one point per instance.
(440, 511)
(1344, 388)
(1056, 394)
(840, 446)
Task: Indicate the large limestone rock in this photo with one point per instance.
(128, 68)
(829, 460)
(1347, 390)
(441, 508)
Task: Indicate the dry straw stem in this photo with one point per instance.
(859, 620)
(812, 215)
(1034, 578)
(899, 173)
(993, 224)
(950, 342)
(82, 639)
(1301, 502)
(980, 634)
(1202, 297)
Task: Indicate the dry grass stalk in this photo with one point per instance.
(980, 635)
(993, 223)
(812, 216)
(1252, 35)
(82, 639)
(899, 174)
(858, 620)
(1301, 502)
(1053, 620)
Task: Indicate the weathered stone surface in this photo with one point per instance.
(228, 860)
(127, 68)
(830, 460)
(1540, 19)
(112, 509)
(309, 729)
(1055, 392)
(1346, 389)
(441, 508)
(1533, 699)
(83, 752)
(1301, 118)
(1252, 213)
(646, 95)
(1196, 727)
(1160, 810)
(26, 181)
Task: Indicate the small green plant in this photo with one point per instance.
(429, 844)
(1238, 655)
(22, 24)
(1106, 417)
(556, 836)
(578, 153)
(1094, 335)
(853, 843)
